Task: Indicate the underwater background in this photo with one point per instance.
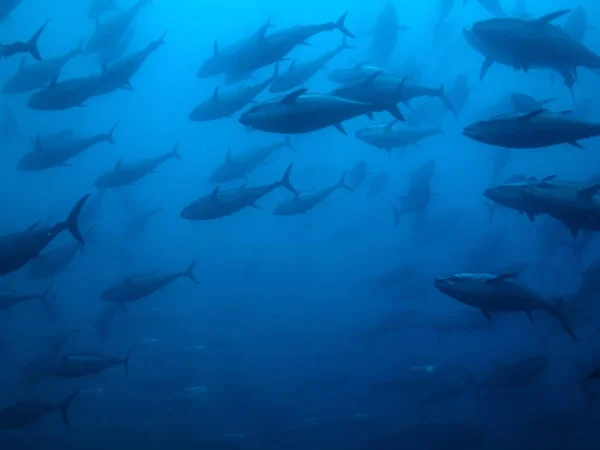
(318, 329)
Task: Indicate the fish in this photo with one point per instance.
(493, 293)
(127, 174)
(24, 413)
(384, 36)
(115, 28)
(9, 127)
(449, 389)
(50, 263)
(9, 300)
(115, 50)
(104, 322)
(242, 164)
(299, 112)
(577, 25)
(537, 129)
(82, 365)
(303, 203)
(357, 175)
(226, 104)
(414, 202)
(17, 249)
(492, 6)
(356, 75)
(98, 8)
(391, 135)
(7, 7)
(37, 76)
(227, 202)
(137, 287)
(378, 184)
(513, 374)
(136, 226)
(59, 153)
(300, 72)
(523, 103)
(31, 46)
(33, 371)
(73, 93)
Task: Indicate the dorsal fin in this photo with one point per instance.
(214, 197)
(293, 96)
(215, 96)
(552, 16)
(531, 115)
(503, 277)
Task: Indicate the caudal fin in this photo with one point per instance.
(444, 99)
(45, 295)
(285, 180)
(109, 137)
(288, 143)
(343, 185)
(32, 44)
(340, 25)
(561, 318)
(189, 273)
(126, 362)
(71, 223)
(161, 40)
(64, 408)
(175, 153)
(345, 46)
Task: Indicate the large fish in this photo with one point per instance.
(11, 299)
(393, 136)
(225, 203)
(493, 293)
(299, 112)
(84, 364)
(127, 174)
(38, 75)
(140, 286)
(536, 129)
(14, 48)
(17, 249)
(384, 36)
(25, 413)
(302, 203)
(58, 154)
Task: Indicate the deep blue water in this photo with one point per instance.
(291, 340)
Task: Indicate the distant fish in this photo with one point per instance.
(357, 175)
(25, 413)
(384, 36)
(378, 184)
(9, 299)
(85, 364)
(394, 135)
(136, 226)
(7, 7)
(98, 8)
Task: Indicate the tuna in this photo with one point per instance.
(8, 50)
(97, 8)
(274, 47)
(34, 370)
(299, 112)
(9, 127)
(357, 175)
(384, 36)
(239, 166)
(115, 28)
(7, 7)
(140, 286)
(300, 72)
(37, 76)
(115, 50)
(513, 374)
(67, 94)
(82, 365)
(536, 129)
(17, 249)
(493, 293)
(393, 136)
(577, 24)
(378, 184)
(523, 103)
(25, 413)
(444, 10)
(136, 226)
(52, 262)
(302, 203)
(9, 299)
(414, 202)
(225, 104)
(128, 174)
(225, 203)
(356, 75)
(449, 389)
(57, 154)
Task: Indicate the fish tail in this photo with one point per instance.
(561, 318)
(175, 153)
(285, 180)
(71, 223)
(189, 273)
(32, 44)
(342, 184)
(109, 137)
(341, 25)
(442, 95)
(64, 408)
(161, 40)
(45, 296)
(288, 143)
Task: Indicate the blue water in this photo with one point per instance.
(279, 347)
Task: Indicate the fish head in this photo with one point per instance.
(505, 194)
(28, 162)
(368, 133)
(37, 101)
(455, 286)
(257, 116)
(484, 131)
(213, 66)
